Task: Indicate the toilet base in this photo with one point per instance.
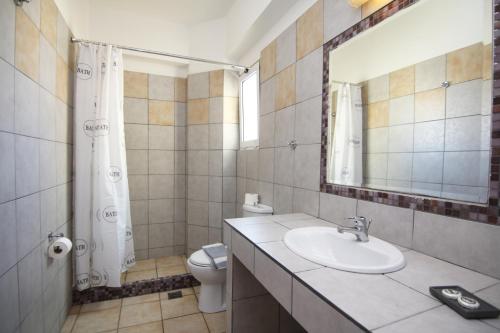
(212, 298)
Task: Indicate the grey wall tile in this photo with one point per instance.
(284, 161)
(161, 137)
(180, 162)
(243, 249)
(445, 238)
(27, 165)
(429, 136)
(309, 82)
(197, 137)
(305, 201)
(215, 189)
(376, 165)
(252, 164)
(462, 99)
(180, 210)
(377, 89)
(286, 48)
(257, 314)
(229, 189)
(47, 164)
(335, 208)
(47, 115)
(135, 110)
(7, 167)
(63, 162)
(47, 75)
(136, 136)
(229, 163)
(161, 211)
(266, 131)
(9, 300)
(180, 186)
(466, 168)
(139, 212)
(215, 136)
(306, 167)
(266, 164)
(197, 237)
(215, 214)
(6, 95)
(26, 105)
(285, 126)
(308, 121)
(401, 138)
(277, 281)
(197, 162)
(8, 26)
(214, 235)
(161, 87)
(266, 193)
(267, 96)
(198, 85)
(62, 38)
(487, 97)
(161, 186)
(7, 238)
(140, 237)
(390, 223)
(231, 136)
(30, 281)
(180, 138)
(137, 162)
(377, 140)
(198, 188)
(63, 122)
(215, 163)
(338, 16)
(180, 234)
(463, 133)
(427, 167)
(161, 235)
(399, 166)
(138, 187)
(180, 114)
(216, 110)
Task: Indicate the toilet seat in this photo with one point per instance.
(200, 258)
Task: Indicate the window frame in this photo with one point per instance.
(250, 144)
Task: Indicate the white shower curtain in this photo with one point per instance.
(102, 230)
(346, 159)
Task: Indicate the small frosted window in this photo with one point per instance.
(249, 104)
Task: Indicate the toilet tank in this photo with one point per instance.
(256, 210)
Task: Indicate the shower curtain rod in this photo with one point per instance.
(166, 54)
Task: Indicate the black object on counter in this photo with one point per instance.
(484, 310)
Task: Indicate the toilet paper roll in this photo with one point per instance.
(59, 248)
(251, 199)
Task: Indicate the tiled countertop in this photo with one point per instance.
(319, 297)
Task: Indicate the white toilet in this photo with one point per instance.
(213, 281)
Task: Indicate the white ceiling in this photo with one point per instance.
(175, 11)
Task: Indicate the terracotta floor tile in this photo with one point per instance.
(69, 323)
(170, 261)
(98, 306)
(142, 275)
(171, 270)
(97, 321)
(143, 265)
(216, 321)
(179, 307)
(142, 313)
(154, 327)
(186, 324)
(141, 299)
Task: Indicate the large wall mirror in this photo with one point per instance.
(410, 100)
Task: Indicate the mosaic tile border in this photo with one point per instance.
(488, 213)
(137, 288)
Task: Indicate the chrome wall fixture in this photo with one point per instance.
(20, 2)
(166, 54)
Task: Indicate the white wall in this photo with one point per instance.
(397, 42)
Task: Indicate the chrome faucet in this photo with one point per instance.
(360, 228)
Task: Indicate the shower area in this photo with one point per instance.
(181, 138)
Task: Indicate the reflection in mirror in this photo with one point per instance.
(410, 103)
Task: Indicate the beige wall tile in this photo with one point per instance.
(198, 111)
(372, 6)
(487, 62)
(465, 64)
(161, 112)
(230, 111)
(285, 88)
(430, 105)
(62, 80)
(135, 84)
(48, 24)
(310, 30)
(27, 45)
(180, 89)
(268, 61)
(402, 82)
(217, 83)
(377, 115)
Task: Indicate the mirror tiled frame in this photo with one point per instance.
(486, 213)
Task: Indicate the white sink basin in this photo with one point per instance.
(326, 246)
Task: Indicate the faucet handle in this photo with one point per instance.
(361, 220)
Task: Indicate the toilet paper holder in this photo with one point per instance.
(53, 236)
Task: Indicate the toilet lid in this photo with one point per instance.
(200, 258)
